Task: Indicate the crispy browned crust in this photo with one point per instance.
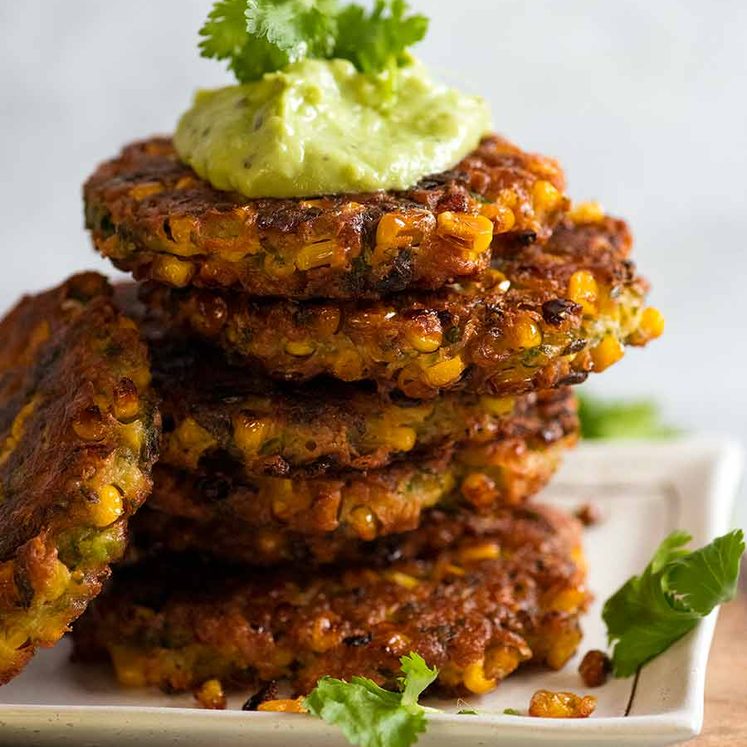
(475, 596)
(268, 520)
(78, 436)
(153, 216)
(512, 331)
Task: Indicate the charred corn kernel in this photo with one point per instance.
(498, 405)
(363, 522)
(318, 254)
(475, 680)
(424, 333)
(299, 348)
(249, 433)
(398, 230)
(403, 579)
(283, 706)
(583, 290)
(189, 442)
(586, 212)
(141, 191)
(545, 197)
(89, 424)
(524, 333)
(126, 403)
(128, 667)
(479, 489)
(607, 352)
(172, 271)
(445, 372)
(502, 660)
(108, 508)
(401, 438)
(210, 695)
(567, 600)
(549, 704)
(595, 668)
(485, 551)
(474, 231)
(651, 325)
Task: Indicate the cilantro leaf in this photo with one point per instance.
(621, 420)
(370, 716)
(260, 36)
(678, 587)
(378, 40)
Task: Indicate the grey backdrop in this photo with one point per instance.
(644, 101)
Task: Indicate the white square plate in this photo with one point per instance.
(644, 490)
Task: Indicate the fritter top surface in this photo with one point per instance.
(153, 216)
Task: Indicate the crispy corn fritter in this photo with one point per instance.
(542, 316)
(78, 436)
(267, 520)
(212, 409)
(475, 598)
(153, 216)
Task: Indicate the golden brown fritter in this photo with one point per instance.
(153, 216)
(78, 436)
(543, 316)
(474, 597)
(268, 520)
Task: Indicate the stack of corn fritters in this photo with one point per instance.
(359, 394)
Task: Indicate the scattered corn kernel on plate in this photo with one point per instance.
(643, 490)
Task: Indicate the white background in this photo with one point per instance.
(644, 102)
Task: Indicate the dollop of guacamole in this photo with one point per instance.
(321, 127)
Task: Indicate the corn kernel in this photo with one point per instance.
(583, 290)
(126, 403)
(348, 366)
(89, 424)
(363, 522)
(250, 433)
(568, 600)
(323, 634)
(474, 231)
(14, 638)
(283, 706)
(545, 197)
(651, 325)
(475, 680)
(327, 321)
(128, 667)
(318, 254)
(485, 551)
(479, 489)
(607, 352)
(141, 191)
(549, 704)
(424, 333)
(586, 212)
(502, 660)
(210, 695)
(503, 217)
(56, 582)
(397, 230)
(108, 508)
(563, 647)
(498, 406)
(172, 271)
(403, 579)
(401, 438)
(189, 442)
(299, 348)
(445, 372)
(524, 333)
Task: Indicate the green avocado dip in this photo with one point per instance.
(321, 127)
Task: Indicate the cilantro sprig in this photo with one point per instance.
(260, 36)
(370, 716)
(678, 588)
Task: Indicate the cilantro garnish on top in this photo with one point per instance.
(259, 36)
